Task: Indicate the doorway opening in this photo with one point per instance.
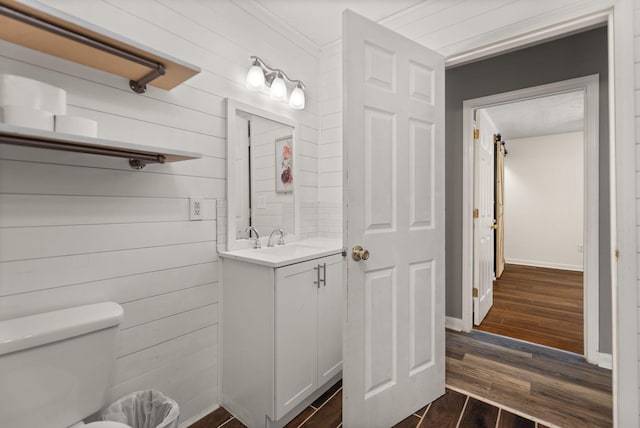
(534, 186)
(535, 219)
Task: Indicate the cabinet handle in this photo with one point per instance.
(322, 279)
(317, 269)
(324, 274)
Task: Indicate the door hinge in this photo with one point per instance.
(476, 133)
(476, 213)
(495, 138)
(475, 292)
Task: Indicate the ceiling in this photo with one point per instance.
(553, 114)
(321, 20)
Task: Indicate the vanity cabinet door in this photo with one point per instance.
(296, 298)
(330, 298)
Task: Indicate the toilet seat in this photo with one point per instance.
(106, 424)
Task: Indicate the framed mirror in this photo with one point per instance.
(262, 179)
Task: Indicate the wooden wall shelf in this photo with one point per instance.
(34, 25)
(138, 155)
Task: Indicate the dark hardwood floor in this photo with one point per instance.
(492, 381)
(539, 305)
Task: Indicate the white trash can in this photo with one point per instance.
(143, 409)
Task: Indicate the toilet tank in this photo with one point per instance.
(56, 367)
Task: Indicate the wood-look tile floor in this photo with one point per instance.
(539, 305)
(454, 409)
(492, 382)
(552, 385)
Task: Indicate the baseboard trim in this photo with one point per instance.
(536, 263)
(452, 323)
(196, 418)
(604, 360)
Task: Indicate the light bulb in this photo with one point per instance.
(297, 100)
(255, 78)
(278, 89)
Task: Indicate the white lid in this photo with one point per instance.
(35, 330)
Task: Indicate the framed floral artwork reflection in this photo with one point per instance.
(284, 164)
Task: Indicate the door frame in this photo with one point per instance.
(590, 86)
(619, 15)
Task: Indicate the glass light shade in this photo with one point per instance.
(255, 78)
(297, 100)
(278, 89)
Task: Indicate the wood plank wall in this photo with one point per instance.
(636, 39)
(77, 229)
(330, 175)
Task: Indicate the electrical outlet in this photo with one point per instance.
(196, 208)
(580, 249)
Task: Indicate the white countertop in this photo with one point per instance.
(290, 253)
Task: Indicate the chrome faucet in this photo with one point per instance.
(279, 231)
(256, 244)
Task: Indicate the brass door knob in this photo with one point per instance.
(358, 253)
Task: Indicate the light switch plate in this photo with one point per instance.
(196, 208)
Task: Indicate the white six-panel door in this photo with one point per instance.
(394, 208)
(483, 256)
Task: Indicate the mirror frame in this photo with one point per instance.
(233, 107)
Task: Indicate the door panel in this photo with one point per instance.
(380, 175)
(295, 339)
(483, 256)
(394, 207)
(330, 297)
(380, 321)
(422, 298)
(421, 181)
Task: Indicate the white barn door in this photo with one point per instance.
(484, 222)
(394, 355)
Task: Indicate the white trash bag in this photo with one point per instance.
(144, 409)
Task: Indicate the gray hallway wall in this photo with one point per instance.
(570, 57)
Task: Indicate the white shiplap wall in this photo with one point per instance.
(636, 39)
(77, 229)
(330, 176)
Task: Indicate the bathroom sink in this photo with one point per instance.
(282, 255)
(289, 248)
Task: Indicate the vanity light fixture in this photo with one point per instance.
(296, 100)
(255, 77)
(261, 75)
(278, 88)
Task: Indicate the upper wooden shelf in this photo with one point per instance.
(34, 25)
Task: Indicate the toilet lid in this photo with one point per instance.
(106, 424)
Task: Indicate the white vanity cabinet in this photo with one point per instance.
(281, 336)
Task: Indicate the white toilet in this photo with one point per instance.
(56, 367)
